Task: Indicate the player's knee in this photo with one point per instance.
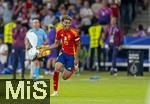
(64, 77)
(57, 67)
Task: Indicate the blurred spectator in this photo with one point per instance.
(1, 8)
(8, 37)
(104, 14)
(1, 27)
(17, 7)
(79, 5)
(73, 1)
(33, 13)
(19, 33)
(43, 11)
(95, 32)
(114, 39)
(8, 13)
(49, 18)
(86, 15)
(3, 54)
(83, 57)
(39, 2)
(96, 6)
(72, 10)
(66, 3)
(115, 9)
(28, 4)
(140, 31)
(126, 12)
(76, 21)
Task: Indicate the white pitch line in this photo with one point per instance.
(148, 94)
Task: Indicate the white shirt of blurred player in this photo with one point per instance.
(3, 49)
(33, 39)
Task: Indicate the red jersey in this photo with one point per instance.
(69, 39)
(115, 10)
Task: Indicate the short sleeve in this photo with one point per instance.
(58, 35)
(44, 35)
(76, 34)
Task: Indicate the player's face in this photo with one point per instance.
(36, 24)
(66, 24)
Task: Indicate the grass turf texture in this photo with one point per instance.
(121, 89)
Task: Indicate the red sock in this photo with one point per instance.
(55, 79)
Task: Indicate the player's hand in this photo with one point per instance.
(76, 62)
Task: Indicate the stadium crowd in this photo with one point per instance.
(88, 16)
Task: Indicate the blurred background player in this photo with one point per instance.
(42, 39)
(18, 34)
(68, 56)
(54, 52)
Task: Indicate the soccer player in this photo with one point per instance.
(68, 56)
(41, 39)
(54, 52)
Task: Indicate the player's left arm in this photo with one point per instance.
(78, 43)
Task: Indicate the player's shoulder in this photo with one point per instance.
(74, 31)
(30, 30)
(59, 30)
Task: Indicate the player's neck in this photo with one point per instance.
(66, 29)
(36, 28)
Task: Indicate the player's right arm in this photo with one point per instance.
(55, 45)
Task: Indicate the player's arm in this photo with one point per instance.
(27, 44)
(57, 42)
(55, 45)
(78, 43)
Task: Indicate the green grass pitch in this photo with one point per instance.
(121, 89)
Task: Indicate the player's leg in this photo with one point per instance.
(67, 74)
(15, 62)
(37, 69)
(70, 68)
(32, 68)
(58, 67)
(48, 66)
(59, 64)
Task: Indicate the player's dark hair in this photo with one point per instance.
(36, 19)
(66, 17)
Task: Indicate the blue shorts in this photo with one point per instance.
(66, 60)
